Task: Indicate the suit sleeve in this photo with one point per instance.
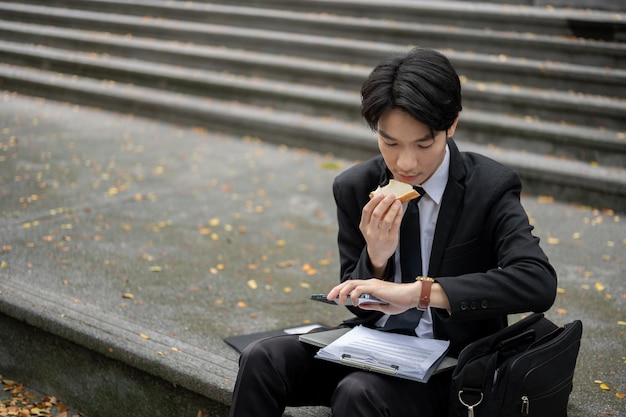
(495, 232)
(354, 260)
(351, 191)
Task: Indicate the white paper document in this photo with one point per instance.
(390, 353)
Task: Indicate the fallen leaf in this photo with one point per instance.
(285, 264)
(546, 199)
(331, 165)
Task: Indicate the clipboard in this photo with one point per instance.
(322, 339)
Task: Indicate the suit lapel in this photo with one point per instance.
(450, 204)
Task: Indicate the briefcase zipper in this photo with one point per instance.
(525, 405)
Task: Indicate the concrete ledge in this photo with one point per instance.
(101, 365)
(104, 368)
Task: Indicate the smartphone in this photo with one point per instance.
(363, 299)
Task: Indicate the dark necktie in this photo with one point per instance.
(410, 265)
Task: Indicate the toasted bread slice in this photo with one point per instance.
(403, 191)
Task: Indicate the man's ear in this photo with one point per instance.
(452, 129)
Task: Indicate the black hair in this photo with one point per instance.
(421, 82)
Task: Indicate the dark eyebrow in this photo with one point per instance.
(425, 138)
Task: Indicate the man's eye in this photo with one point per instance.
(427, 144)
(390, 144)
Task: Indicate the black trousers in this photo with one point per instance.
(281, 371)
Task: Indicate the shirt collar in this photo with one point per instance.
(436, 184)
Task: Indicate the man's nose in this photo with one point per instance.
(407, 162)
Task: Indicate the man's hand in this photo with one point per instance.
(380, 226)
(400, 297)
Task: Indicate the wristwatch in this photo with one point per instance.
(427, 282)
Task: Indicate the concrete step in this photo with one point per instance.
(549, 105)
(564, 21)
(540, 74)
(609, 5)
(85, 340)
(547, 133)
(157, 375)
(542, 173)
(415, 31)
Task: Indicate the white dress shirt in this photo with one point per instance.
(429, 211)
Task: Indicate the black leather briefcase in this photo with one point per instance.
(525, 370)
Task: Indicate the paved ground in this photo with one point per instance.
(200, 236)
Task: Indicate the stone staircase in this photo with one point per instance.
(544, 91)
(544, 87)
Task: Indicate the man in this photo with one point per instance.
(470, 237)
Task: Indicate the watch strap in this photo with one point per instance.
(424, 300)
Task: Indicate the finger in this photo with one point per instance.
(383, 206)
(379, 220)
(393, 217)
(341, 292)
(368, 209)
(334, 292)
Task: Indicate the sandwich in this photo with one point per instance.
(403, 191)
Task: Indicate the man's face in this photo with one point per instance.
(408, 147)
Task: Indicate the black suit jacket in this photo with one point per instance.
(484, 254)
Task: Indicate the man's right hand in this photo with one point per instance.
(380, 226)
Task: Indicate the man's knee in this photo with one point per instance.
(274, 351)
(355, 388)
